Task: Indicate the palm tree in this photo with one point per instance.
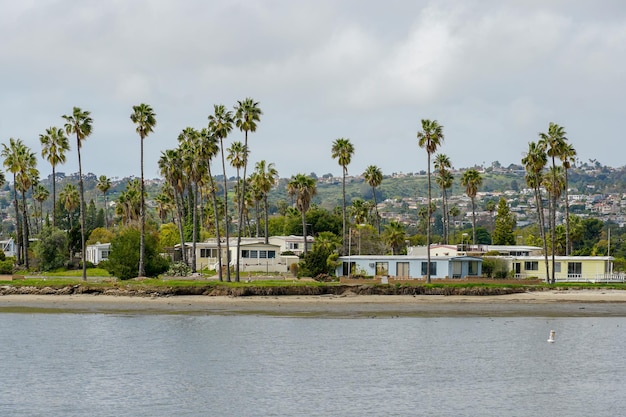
(374, 177)
(54, 145)
(567, 157)
(70, 198)
(247, 114)
(553, 142)
(40, 194)
(395, 236)
(220, 124)
(303, 188)
(554, 183)
(266, 177)
(144, 117)
(207, 150)
(342, 150)
(11, 163)
(26, 172)
(80, 124)
(534, 163)
(471, 180)
(104, 185)
(429, 138)
(170, 166)
(194, 169)
(444, 180)
(454, 211)
(359, 210)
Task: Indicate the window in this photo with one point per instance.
(271, 254)
(574, 269)
(254, 254)
(433, 268)
(263, 254)
(382, 268)
(531, 266)
(208, 253)
(557, 267)
(105, 254)
(472, 268)
(292, 245)
(245, 253)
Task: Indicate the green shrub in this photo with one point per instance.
(51, 249)
(178, 269)
(6, 266)
(123, 261)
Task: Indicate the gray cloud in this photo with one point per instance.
(493, 73)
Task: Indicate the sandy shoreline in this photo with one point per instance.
(543, 303)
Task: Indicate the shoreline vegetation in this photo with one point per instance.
(304, 299)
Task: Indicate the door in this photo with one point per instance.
(402, 270)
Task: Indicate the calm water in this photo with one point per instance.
(184, 365)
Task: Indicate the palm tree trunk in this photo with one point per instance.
(553, 235)
(82, 211)
(54, 197)
(473, 221)
(304, 231)
(376, 210)
(266, 226)
(194, 229)
(106, 212)
(216, 221)
(343, 209)
(428, 214)
(25, 229)
(18, 235)
(568, 244)
(226, 232)
(542, 230)
(179, 213)
(142, 215)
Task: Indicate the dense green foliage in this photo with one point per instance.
(51, 248)
(123, 260)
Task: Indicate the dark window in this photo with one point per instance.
(531, 266)
(433, 268)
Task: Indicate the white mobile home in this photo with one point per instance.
(402, 266)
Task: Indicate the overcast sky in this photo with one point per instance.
(493, 73)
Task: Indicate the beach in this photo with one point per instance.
(540, 303)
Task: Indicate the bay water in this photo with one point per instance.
(251, 365)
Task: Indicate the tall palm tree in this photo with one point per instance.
(220, 124)
(444, 180)
(207, 150)
(104, 185)
(265, 178)
(79, 123)
(554, 183)
(189, 141)
(145, 119)
(170, 166)
(429, 138)
(40, 194)
(471, 180)
(534, 163)
(11, 157)
(247, 114)
(303, 188)
(553, 142)
(54, 145)
(374, 177)
(26, 172)
(567, 157)
(342, 150)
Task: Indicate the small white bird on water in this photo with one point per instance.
(551, 338)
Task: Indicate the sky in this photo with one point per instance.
(493, 73)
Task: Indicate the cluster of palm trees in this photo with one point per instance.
(190, 181)
(540, 176)
(21, 161)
